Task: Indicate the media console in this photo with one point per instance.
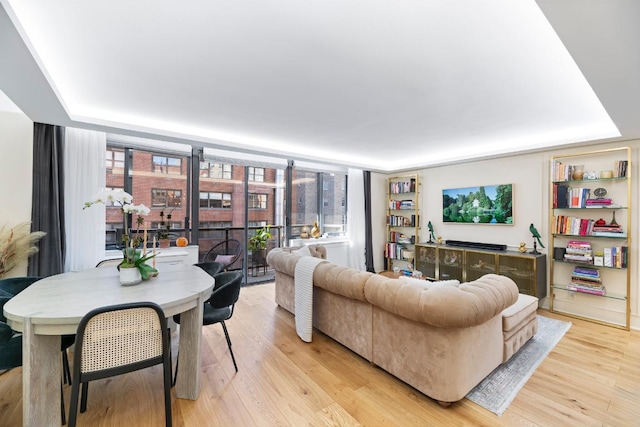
(468, 263)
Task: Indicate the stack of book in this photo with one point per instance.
(607, 230)
(402, 186)
(586, 280)
(401, 221)
(598, 203)
(578, 251)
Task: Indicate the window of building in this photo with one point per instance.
(164, 198)
(215, 170)
(167, 165)
(114, 160)
(257, 201)
(172, 224)
(214, 229)
(215, 200)
(256, 174)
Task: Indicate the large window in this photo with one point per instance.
(164, 198)
(167, 165)
(319, 196)
(257, 201)
(215, 170)
(214, 200)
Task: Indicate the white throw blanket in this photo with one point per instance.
(303, 304)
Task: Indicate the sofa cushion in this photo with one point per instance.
(303, 251)
(460, 306)
(426, 284)
(514, 315)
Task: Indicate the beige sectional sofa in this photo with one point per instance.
(441, 339)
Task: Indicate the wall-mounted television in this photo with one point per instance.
(485, 204)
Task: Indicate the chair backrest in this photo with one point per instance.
(120, 338)
(211, 267)
(109, 263)
(227, 289)
(14, 285)
(227, 252)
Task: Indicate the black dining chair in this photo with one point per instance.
(227, 252)
(211, 267)
(220, 306)
(117, 339)
(11, 341)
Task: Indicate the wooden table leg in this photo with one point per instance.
(190, 356)
(41, 376)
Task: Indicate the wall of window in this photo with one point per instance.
(230, 199)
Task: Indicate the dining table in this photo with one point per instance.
(54, 306)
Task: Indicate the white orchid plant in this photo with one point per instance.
(132, 255)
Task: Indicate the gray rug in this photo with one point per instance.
(498, 390)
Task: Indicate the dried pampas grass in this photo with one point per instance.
(16, 245)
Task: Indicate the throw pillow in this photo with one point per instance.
(303, 251)
(429, 285)
(225, 259)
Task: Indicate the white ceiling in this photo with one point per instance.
(383, 85)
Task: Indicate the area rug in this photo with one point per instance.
(498, 390)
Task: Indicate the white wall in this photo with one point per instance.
(529, 174)
(16, 142)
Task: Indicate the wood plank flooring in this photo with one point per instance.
(592, 378)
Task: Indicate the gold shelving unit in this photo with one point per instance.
(610, 170)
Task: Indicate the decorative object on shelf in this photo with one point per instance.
(600, 192)
(439, 240)
(536, 236)
(133, 257)
(181, 242)
(613, 220)
(304, 232)
(578, 172)
(431, 235)
(17, 244)
(606, 174)
(523, 247)
(315, 230)
(489, 204)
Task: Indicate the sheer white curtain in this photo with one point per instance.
(355, 219)
(84, 176)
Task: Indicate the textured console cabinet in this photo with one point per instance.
(442, 262)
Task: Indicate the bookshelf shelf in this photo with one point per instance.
(590, 269)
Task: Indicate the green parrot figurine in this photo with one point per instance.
(535, 234)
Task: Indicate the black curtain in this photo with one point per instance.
(47, 200)
(368, 243)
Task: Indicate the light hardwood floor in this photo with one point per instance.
(592, 378)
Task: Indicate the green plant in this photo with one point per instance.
(165, 227)
(133, 258)
(259, 239)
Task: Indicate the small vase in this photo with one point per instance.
(130, 276)
(578, 172)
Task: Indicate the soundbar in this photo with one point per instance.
(476, 245)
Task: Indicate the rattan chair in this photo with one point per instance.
(220, 306)
(117, 339)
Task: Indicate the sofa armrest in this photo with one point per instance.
(468, 304)
(284, 259)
